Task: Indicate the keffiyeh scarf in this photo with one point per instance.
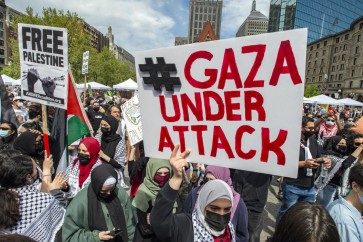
(41, 215)
(201, 234)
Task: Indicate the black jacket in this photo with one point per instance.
(166, 225)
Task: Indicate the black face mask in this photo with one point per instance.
(342, 149)
(217, 222)
(39, 147)
(83, 159)
(308, 134)
(105, 130)
(96, 109)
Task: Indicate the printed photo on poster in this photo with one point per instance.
(44, 64)
(132, 117)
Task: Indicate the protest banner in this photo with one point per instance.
(85, 62)
(132, 117)
(234, 103)
(44, 64)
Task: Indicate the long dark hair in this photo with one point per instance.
(305, 222)
(14, 168)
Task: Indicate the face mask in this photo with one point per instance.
(20, 105)
(104, 195)
(96, 108)
(105, 130)
(329, 123)
(4, 133)
(39, 147)
(342, 149)
(161, 180)
(83, 159)
(350, 123)
(216, 221)
(308, 134)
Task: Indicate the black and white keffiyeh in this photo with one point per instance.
(201, 234)
(41, 214)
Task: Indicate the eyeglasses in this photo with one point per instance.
(331, 120)
(358, 144)
(1, 128)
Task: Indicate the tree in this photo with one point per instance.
(311, 90)
(108, 69)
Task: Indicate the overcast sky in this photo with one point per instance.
(144, 24)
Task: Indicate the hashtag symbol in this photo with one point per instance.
(162, 68)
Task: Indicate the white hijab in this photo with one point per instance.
(211, 191)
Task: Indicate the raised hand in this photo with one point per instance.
(58, 182)
(48, 85)
(32, 78)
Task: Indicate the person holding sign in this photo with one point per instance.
(302, 188)
(211, 219)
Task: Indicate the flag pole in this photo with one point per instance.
(45, 130)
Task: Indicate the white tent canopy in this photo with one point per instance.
(307, 100)
(350, 102)
(8, 80)
(126, 85)
(323, 99)
(94, 86)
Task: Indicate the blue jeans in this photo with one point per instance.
(293, 194)
(326, 195)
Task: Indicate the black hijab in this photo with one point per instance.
(96, 218)
(110, 141)
(330, 147)
(25, 143)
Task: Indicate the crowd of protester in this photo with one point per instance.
(93, 201)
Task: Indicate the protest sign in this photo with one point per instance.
(132, 117)
(44, 64)
(85, 62)
(235, 103)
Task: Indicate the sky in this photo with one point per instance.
(144, 24)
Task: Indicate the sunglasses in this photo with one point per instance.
(4, 128)
(358, 144)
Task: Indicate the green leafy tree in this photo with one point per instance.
(103, 65)
(311, 90)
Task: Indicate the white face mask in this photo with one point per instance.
(20, 104)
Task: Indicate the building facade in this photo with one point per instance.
(255, 23)
(322, 18)
(120, 53)
(98, 40)
(181, 41)
(335, 63)
(201, 11)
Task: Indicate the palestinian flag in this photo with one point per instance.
(77, 120)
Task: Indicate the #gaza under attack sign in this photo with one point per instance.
(234, 103)
(44, 64)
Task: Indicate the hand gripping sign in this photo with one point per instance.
(235, 103)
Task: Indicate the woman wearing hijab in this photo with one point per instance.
(31, 143)
(157, 175)
(8, 134)
(328, 127)
(239, 213)
(336, 149)
(113, 147)
(211, 217)
(79, 170)
(101, 212)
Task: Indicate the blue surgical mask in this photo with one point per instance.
(4, 133)
(350, 123)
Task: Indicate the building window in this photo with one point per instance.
(310, 57)
(356, 49)
(350, 84)
(1, 42)
(311, 48)
(316, 54)
(333, 68)
(324, 51)
(331, 77)
(346, 37)
(345, 47)
(361, 25)
(355, 61)
(308, 64)
(334, 59)
(340, 77)
(358, 38)
(1, 25)
(317, 46)
(343, 57)
(325, 43)
(336, 50)
(320, 78)
(314, 71)
(337, 40)
(313, 80)
(353, 72)
(1, 15)
(342, 67)
(339, 85)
